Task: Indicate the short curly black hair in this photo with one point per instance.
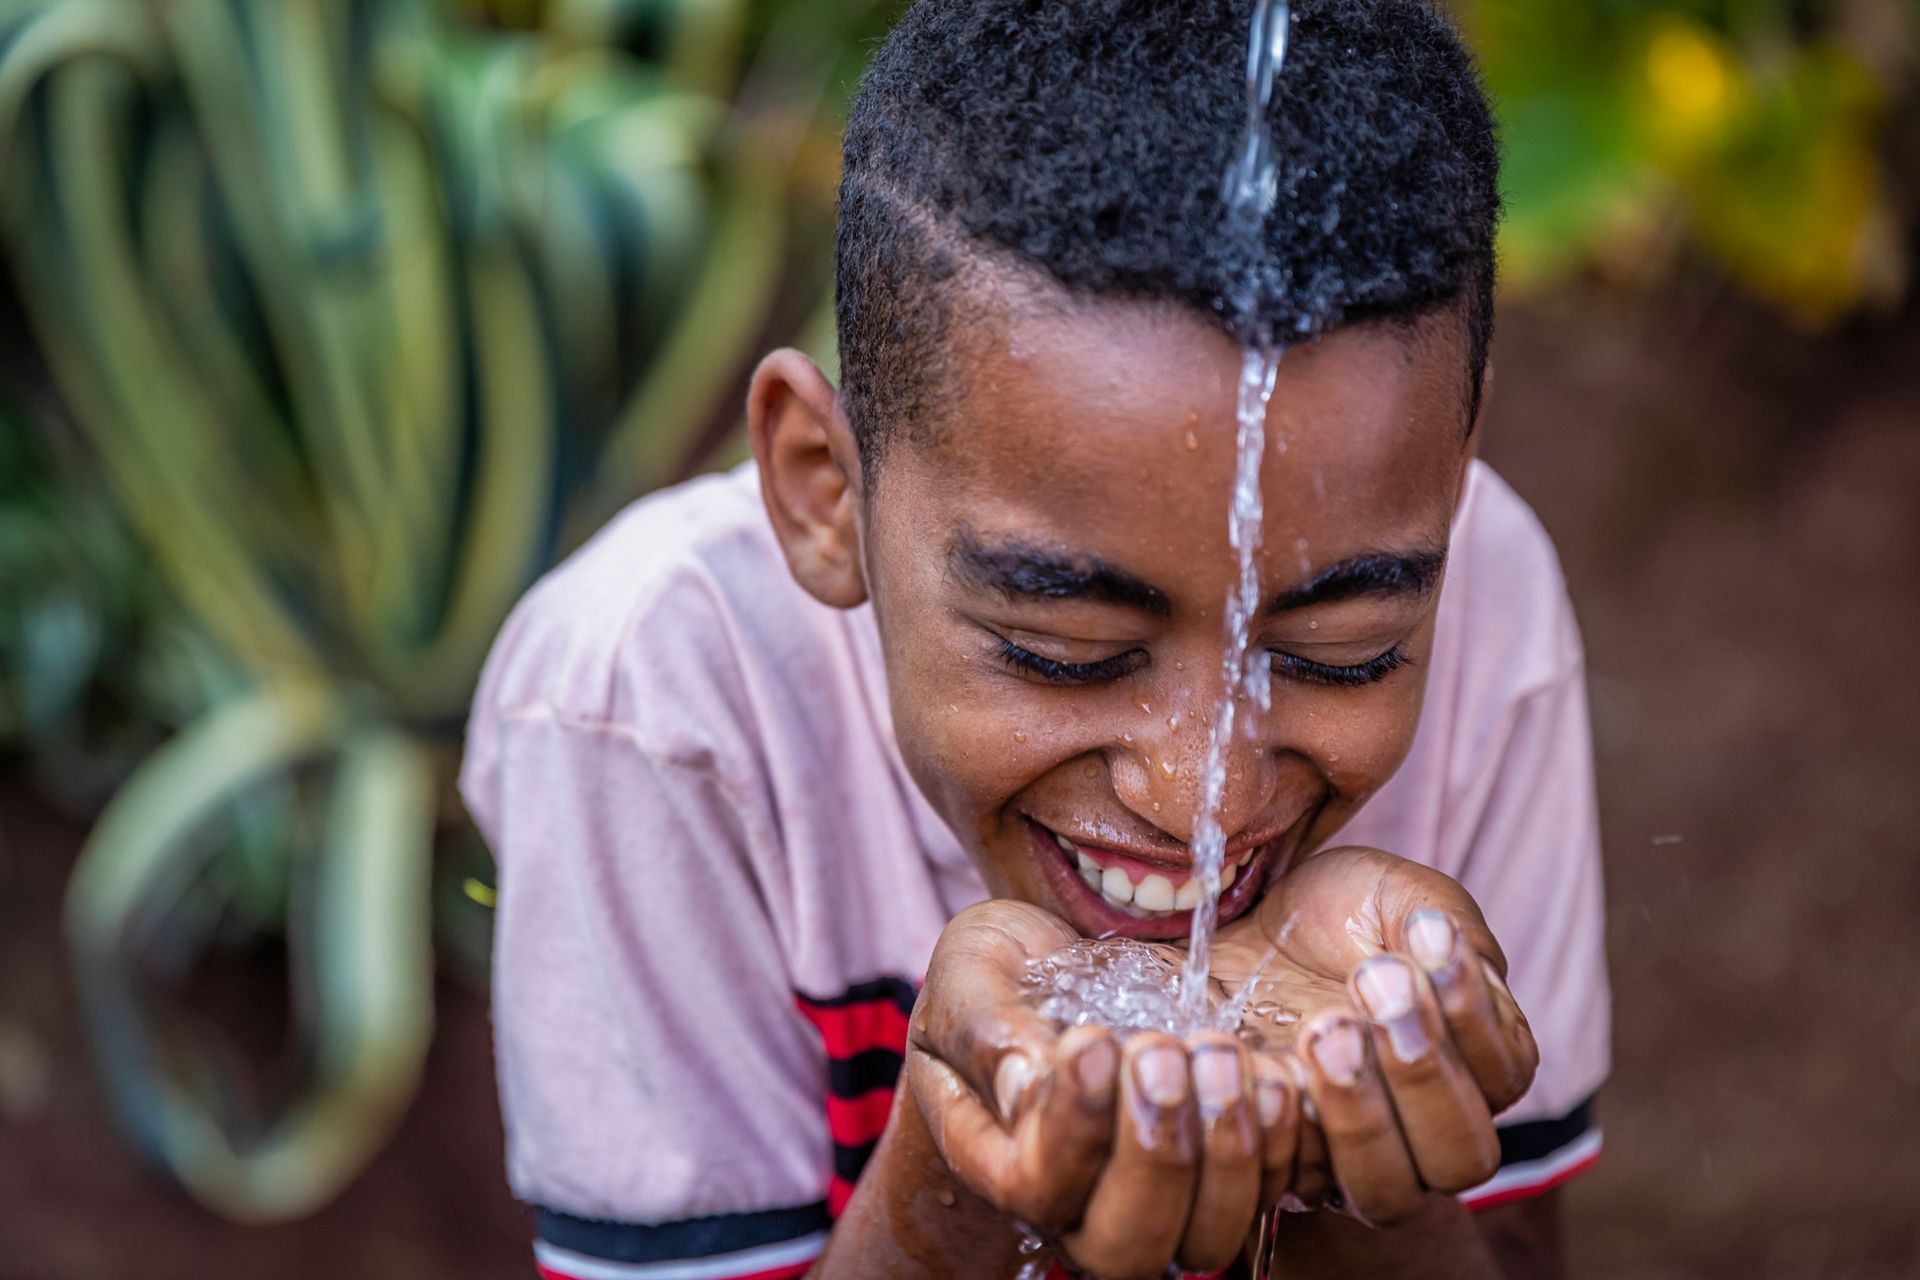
(1088, 139)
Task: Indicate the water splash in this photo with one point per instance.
(1126, 985)
(1036, 1259)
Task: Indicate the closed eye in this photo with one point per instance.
(1372, 671)
(1028, 663)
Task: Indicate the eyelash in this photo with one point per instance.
(1371, 671)
(1029, 663)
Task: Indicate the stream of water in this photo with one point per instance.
(1124, 985)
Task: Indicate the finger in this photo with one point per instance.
(1067, 1132)
(973, 1013)
(1227, 1194)
(1137, 1214)
(1312, 1170)
(1482, 1018)
(1443, 1114)
(1278, 1102)
(982, 1154)
(1371, 1164)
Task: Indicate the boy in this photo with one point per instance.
(786, 757)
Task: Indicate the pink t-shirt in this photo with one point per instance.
(719, 885)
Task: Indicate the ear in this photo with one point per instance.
(809, 476)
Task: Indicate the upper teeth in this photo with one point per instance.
(1154, 895)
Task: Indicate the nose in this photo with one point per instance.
(1161, 774)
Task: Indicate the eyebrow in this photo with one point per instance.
(1375, 573)
(1022, 571)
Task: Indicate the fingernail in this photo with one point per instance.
(1340, 1051)
(1095, 1066)
(1216, 1078)
(1386, 987)
(1430, 935)
(1161, 1073)
(1493, 976)
(1271, 1097)
(1011, 1080)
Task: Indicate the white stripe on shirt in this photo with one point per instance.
(745, 1262)
(1526, 1175)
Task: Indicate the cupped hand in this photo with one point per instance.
(1130, 1157)
(1381, 978)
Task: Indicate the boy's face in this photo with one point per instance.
(1050, 574)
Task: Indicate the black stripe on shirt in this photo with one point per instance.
(849, 1161)
(898, 990)
(863, 1072)
(1538, 1139)
(668, 1241)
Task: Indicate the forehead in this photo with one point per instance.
(1109, 428)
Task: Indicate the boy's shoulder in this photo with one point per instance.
(1505, 612)
(662, 624)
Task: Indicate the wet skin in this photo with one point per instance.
(1105, 438)
(1048, 569)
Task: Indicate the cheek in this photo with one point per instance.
(969, 742)
(1356, 743)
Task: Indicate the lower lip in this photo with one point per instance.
(1098, 918)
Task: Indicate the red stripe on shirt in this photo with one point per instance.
(839, 1191)
(1532, 1189)
(854, 1122)
(852, 1029)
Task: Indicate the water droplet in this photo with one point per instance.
(1018, 736)
(1173, 722)
(1313, 624)
(1127, 737)
(951, 709)
(1179, 666)
(1156, 806)
(1146, 708)
(1090, 771)
(1167, 767)
(1193, 441)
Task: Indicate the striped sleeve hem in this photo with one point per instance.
(1539, 1155)
(779, 1244)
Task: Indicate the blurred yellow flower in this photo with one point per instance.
(1692, 82)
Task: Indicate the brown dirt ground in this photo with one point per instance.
(1739, 513)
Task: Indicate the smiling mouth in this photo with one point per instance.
(1126, 885)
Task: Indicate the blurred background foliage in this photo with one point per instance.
(329, 324)
(1752, 131)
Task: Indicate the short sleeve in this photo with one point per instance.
(660, 1090)
(1526, 833)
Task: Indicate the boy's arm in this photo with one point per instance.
(1441, 1243)
(1518, 1241)
(910, 1216)
(1525, 1237)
